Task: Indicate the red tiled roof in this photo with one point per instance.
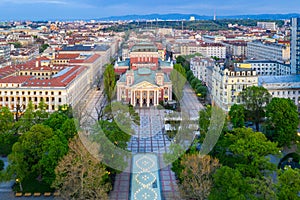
(5, 71)
(92, 58)
(77, 61)
(43, 58)
(60, 81)
(67, 56)
(15, 79)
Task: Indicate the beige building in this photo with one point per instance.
(205, 49)
(68, 86)
(65, 79)
(228, 83)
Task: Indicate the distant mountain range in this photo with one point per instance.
(177, 16)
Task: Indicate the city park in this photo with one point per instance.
(46, 155)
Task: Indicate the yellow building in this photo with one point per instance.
(228, 83)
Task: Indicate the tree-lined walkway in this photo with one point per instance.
(148, 138)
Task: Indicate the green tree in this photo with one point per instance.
(202, 90)
(189, 75)
(7, 141)
(282, 121)
(204, 119)
(6, 120)
(255, 100)
(27, 120)
(183, 62)
(178, 78)
(41, 113)
(81, 176)
(115, 134)
(194, 82)
(289, 184)
(251, 150)
(54, 149)
(43, 47)
(109, 82)
(16, 44)
(262, 188)
(56, 120)
(69, 128)
(28, 151)
(229, 184)
(237, 115)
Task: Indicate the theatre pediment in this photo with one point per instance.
(144, 85)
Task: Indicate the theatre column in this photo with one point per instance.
(148, 99)
(131, 97)
(141, 99)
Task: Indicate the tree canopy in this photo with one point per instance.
(250, 150)
(282, 121)
(289, 184)
(237, 115)
(178, 78)
(109, 82)
(81, 176)
(197, 176)
(255, 99)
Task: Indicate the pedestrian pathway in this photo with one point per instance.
(145, 182)
(148, 140)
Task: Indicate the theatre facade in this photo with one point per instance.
(144, 78)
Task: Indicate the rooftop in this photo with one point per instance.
(81, 47)
(279, 79)
(144, 47)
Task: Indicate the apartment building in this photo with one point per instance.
(4, 55)
(205, 49)
(61, 79)
(199, 66)
(282, 86)
(236, 48)
(266, 67)
(295, 46)
(267, 25)
(268, 51)
(54, 85)
(228, 83)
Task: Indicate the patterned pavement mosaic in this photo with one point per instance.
(149, 138)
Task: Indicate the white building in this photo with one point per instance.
(236, 49)
(199, 66)
(266, 67)
(295, 46)
(268, 51)
(282, 86)
(267, 25)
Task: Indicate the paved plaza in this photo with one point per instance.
(148, 140)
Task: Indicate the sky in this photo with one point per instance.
(93, 9)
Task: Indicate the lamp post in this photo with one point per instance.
(20, 184)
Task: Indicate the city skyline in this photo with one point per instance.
(75, 9)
